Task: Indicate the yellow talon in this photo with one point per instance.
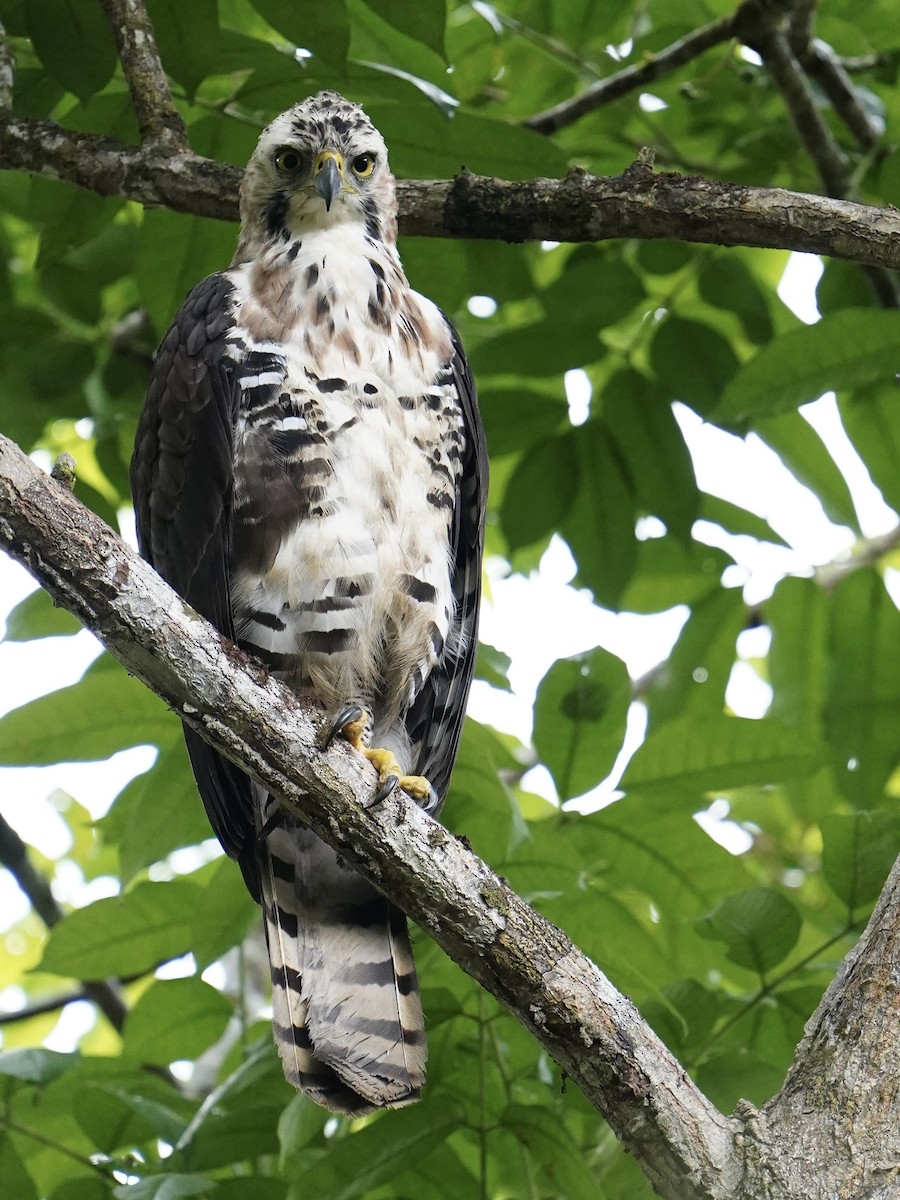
(387, 767)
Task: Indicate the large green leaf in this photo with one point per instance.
(599, 524)
(317, 25)
(38, 617)
(105, 712)
(871, 418)
(123, 935)
(547, 471)
(187, 36)
(759, 927)
(693, 362)
(844, 350)
(858, 851)
(423, 21)
(720, 752)
(73, 41)
(376, 1155)
(175, 1018)
(862, 710)
(579, 719)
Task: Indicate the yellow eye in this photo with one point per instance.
(363, 165)
(287, 160)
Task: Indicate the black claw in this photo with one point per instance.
(432, 803)
(385, 790)
(351, 713)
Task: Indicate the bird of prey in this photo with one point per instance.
(310, 475)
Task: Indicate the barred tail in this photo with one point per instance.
(346, 1011)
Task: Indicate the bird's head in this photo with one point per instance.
(320, 164)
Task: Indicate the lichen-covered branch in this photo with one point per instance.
(580, 208)
(7, 72)
(158, 119)
(593, 1032)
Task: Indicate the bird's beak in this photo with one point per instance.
(329, 176)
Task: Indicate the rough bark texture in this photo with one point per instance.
(832, 1130)
(640, 202)
(593, 1032)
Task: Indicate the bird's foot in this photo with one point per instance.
(350, 723)
(390, 776)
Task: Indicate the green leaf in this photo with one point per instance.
(651, 444)
(540, 492)
(423, 21)
(375, 1155)
(726, 283)
(35, 1066)
(720, 752)
(599, 525)
(871, 417)
(188, 37)
(165, 1187)
(759, 927)
(175, 1018)
(16, 1180)
(123, 935)
(801, 449)
(300, 1123)
(38, 617)
(735, 519)
(550, 1146)
(862, 709)
(693, 362)
(579, 719)
(157, 812)
(844, 350)
(492, 666)
(226, 915)
(103, 713)
(73, 41)
(174, 254)
(695, 677)
(858, 851)
(516, 418)
(317, 25)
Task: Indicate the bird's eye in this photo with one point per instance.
(287, 160)
(363, 165)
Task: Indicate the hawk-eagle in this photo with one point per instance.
(310, 474)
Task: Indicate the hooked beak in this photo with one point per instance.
(329, 176)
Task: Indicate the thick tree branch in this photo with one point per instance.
(14, 856)
(7, 72)
(158, 119)
(579, 208)
(595, 1034)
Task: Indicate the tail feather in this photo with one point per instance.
(346, 1011)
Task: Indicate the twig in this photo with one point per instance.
(40, 1007)
(14, 856)
(815, 136)
(866, 553)
(593, 1032)
(821, 62)
(7, 72)
(158, 120)
(639, 75)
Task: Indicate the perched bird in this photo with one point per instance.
(310, 475)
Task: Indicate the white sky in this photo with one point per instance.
(741, 470)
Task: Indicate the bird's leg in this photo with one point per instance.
(351, 724)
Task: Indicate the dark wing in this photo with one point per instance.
(181, 481)
(435, 719)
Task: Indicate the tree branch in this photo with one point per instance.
(604, 91)
(14, 856)
(580, 208)
(7, 72)
(158, 120)
(593, 1032)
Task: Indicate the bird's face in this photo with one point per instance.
(317, 165)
